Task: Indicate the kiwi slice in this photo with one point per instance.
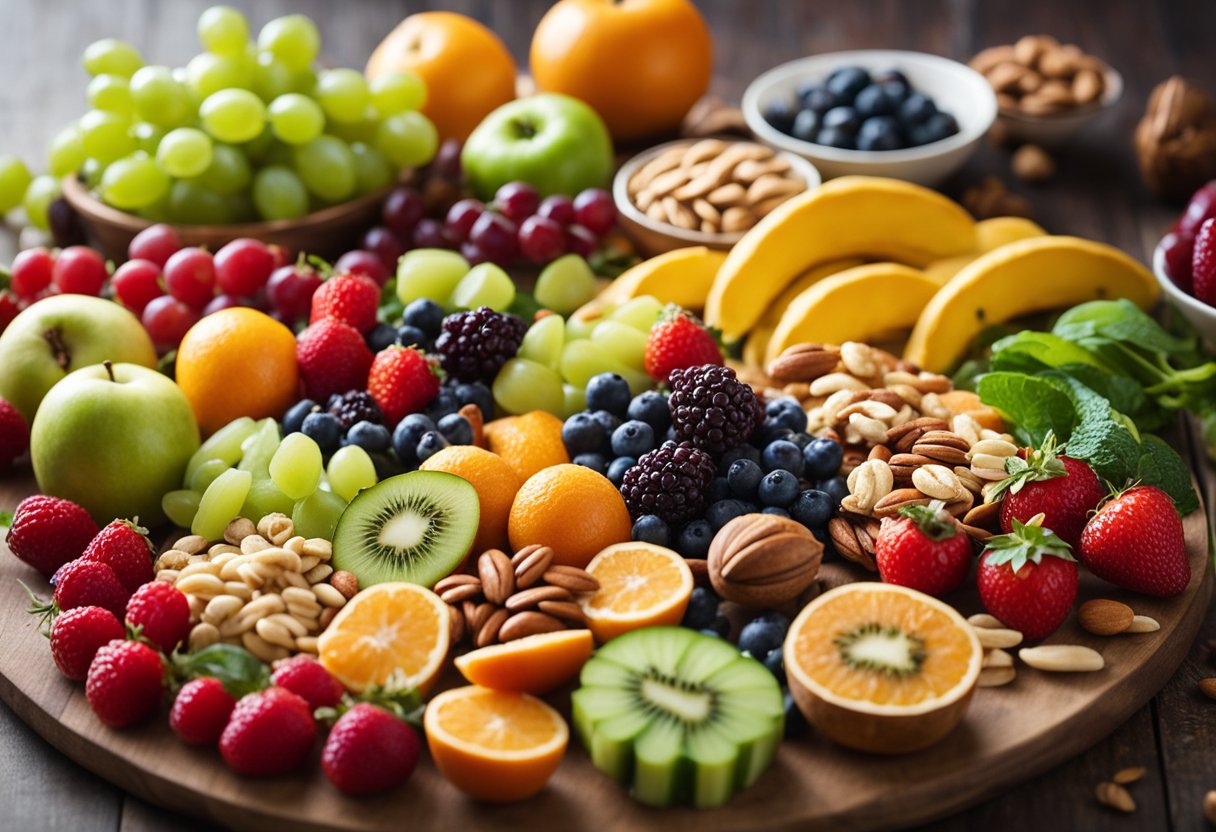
(414, 527)
(678, 716)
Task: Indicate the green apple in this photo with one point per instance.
(63, 333)
(114, 438)
(556, 143)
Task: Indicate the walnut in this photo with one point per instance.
(991, 199)
(763, 561)
(1176, 139)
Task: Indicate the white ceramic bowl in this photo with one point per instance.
(1052, 130)
(956, 88)
(1197, 313)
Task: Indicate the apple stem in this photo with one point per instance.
(59, 349)
(109, 365)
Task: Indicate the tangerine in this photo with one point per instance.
(641, 585)
(495, 482)
(573, 510)
(532, 664)
(528, 442)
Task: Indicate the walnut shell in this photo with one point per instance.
(1176, 139)
(763, 561)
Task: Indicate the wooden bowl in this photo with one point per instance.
(328, 232)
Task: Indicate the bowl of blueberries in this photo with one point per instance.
(878, 112)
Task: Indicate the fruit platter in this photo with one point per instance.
(491, 450)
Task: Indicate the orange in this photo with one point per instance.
(571, 509)
(495, 482)
(640, 64)
(468, 71)
(641, 585)
(882, 668)
(393, 634)
(494, 745)
(237, 362)
(964, 401)
(532, 664)
(529, 442)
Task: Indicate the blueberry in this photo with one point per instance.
(456, 429)
(595, 461)
(896, 90)
(836, 137)
(939, 126)
(841, 118)
(872, 101)
(442, 405)
(610, 392)
(702, 605)
(783, 455)
(694, 539)
(847, 81)
(581, 433)
(891, 75)
(476, 393)
(608, 422)
(806, 125)
(710, 632)
(813, 508)
(743, 476)
(775, 662)
(778, 488)
(324, 429)
(823, 458)
(633, 438)
(880, 133)
(617, 469)
(780, 115)
(294, 418)
(836, 488)
(818, 99)
(801, 439)
(650, 528)
(822, 535)
(916, 109)
(720, 625)
(723, 511)
(385, 466)
(769, 432)
(381, 336)
(672, 436)
(412, 336)
(369, 436)
(719, 489)
(776, 511)
(651, 407)
(431, 443)
(424, 314)
(409, 430)
(795, 722)
(787, 413)
(742, 452)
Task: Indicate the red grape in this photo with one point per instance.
(472, 253)
(384, 244)
(461, 217)
(429, 233)
(362, 262)
(31, 272)
(280, 254)
(291, 289)
(8, 308)
(223, 302)
(80, 270)
(402, 209)
(558, 208)
(1179, 249)
(581, 241)
(243, 266)
(1202, 206)
(136, 284)
(541, 239)
(494, 236)
(190, 277)
(517, 201)
(156, 243)
(447, 160)
(595, 210)
(167, 319)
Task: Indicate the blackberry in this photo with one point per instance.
(670, 482)
(355, 406)
(712, 409)
(474, 345)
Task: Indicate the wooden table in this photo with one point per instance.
(1096, 194)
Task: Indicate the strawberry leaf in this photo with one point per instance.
(932, 520)
(1028, 542)
(1040, 464)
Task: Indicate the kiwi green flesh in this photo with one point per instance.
(414, 527)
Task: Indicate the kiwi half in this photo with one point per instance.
(678, 716)
(414, 527)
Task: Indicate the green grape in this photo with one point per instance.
(640, 313)
(242, 208)
(265, 498)
(160, 97)
(193, 204)
(106, 136)
(576, 400)
(184, 152)
(429, 273)
(283, 155)
(156, 212)
(134, 182)
(296, 466)
(304, 81)
(317, 515)
(327, 168)
(292, 39)
(522, 385)
(397, 92)
(295, 118)
(229, 171)
(38, 198)
(233, 115)
(272, 78)
(582, 359)
(148, 136)
(578, 327)
(350, 470)
(278, 194)
(372, 170)
(409, 140)
(258, 449)
(260, 148)
(565, 284)
(622, 342)
(180, 506)
(111, 93)
(66, 152)
(362, 129)
(208, 73)
(223, 30)
(112, 57)
(206, 474)
(221, 503)
(224, 444)
(91, 172)
(15, 179)
(485, 285)
(342, 93)
(544, 340)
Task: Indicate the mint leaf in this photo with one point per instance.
(1036, 406)
(237, 668)
(1119, 320)
(1124, 394)
(1029, 352)
(1100, 437)
(1161, 466)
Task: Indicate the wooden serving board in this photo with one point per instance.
(1010, 734)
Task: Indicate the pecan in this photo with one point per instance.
(565, 610)
(804, 362)
(942, 446)
(890, 505)
(531, 597)
(902, 466)
(571, 578)
(881, 452)
(528, 623)
(488, 633)
(699, 568)
(456, 624)
(497, 576)
(763, 561)
(984, 516)
(531, 563)
(901, 438)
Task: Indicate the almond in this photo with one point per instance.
(983, 619)
(1128, 775)
(992, 638)
(1103, 617)
(1209, 807)
(994, 677)
(804, 363)
(763, 561)
(1062, 658)
(1115, 796)
(847, 538)
(1143, 624)
(1208, 687)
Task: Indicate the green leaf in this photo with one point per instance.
(1119, 320)
(1030, 352)
(1100, 437)
(1035, 405)
(1124, 394)
(238, 669)
(1160, 465)
(1027, 542)
(6, 519)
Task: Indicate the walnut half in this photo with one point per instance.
(1176, 139)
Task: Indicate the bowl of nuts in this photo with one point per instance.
(705, 192)
(1047, 91)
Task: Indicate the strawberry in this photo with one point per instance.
(201, 710)
(48, 532)
(1203, 263)
(125, 683)
(125, 548)
(402, 381)
(1064, 490)
(348, 298)
(1136, 542)
(270, 733)
(333, 358)
(306, 677)
(677, 342)
(369, 750)
(88, 583)
(162, 614)
(923, 550)
(1028, 579)
(14, 435)
(78, 634)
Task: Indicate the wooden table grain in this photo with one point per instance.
(1096, 194)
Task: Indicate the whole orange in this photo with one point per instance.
(529, 442)
(495, 482)
(573, 510)
(640, 63)
(467, 69)
(237, 362)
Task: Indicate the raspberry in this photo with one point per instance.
(348, 298)
(306, 677)
(1203, 264)
(125, 683)
(78, 634)
(474, 345)
(333, 358)
(712, 409)
(402, 381)
(14, 435)
(269, 733)
(123, 547)
(163, 614)
(201, 710)
(48, 532)
(671, 482)
(89, 583)
(355, 406)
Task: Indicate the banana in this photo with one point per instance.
(681, 276)
(847, 217)
(990, 234)
(864, 303)
(1020, 278)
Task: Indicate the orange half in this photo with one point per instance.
(641, 585)
(533, 664)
